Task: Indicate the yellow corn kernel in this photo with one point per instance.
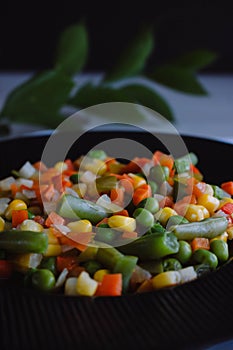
(16, 204)
(164, 214)
(224, 201)
(96, 166)
(23, 262)
(52, 239)
(223, 237)
(99, 274)
(86, 285)
(31, 225)
(209, 202)
(80, 226)
(137, 180)
(194, 213)
(2, 224)
(166, 279)
(122, 223)
(61, 166)
(80, 189)
(53, 250)
(230, 232)
(206, 212)
(209, 190)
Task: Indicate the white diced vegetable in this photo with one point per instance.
(27, 170)
(5, 185)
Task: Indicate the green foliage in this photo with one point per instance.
(41, 99)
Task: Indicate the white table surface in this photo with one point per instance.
(208, 116)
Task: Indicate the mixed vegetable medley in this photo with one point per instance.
(97, 226)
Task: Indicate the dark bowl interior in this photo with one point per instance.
(191, 316)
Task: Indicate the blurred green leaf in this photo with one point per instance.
(195, 60)
(150, 98)
(178, 78)
(72, 49)
(134, 58)
(39, 100)
(90, 95)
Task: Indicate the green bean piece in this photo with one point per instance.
(153, 266)
(150, 247)
(182, 164)
(154, 186)
(184, 253)
(117, 262)
(17, 241)
(157, 228)
(105, 184)
(97, 153)
(207, 228)
(126, 266)
(219, 192)
(159, 173)
(176, 220)
(150, 204)
(72, 207)
(91, 266)
(108, 257)
(171, 264)
(220, 249)
(105, 234)
(43, 280)
(203, 256)
(49, 263)
(143, 217)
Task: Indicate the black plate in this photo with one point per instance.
(192, 316)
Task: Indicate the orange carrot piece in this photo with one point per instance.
(18, 216)
(117, 196)
(111, 285)
(65, 262)
(156, 157)
(123, 212)
(200, 243)
(199, 188)
(69, 163)
(78, 240)
(54, 219)
(228, 187)
(48, 193)
(141, 192)
(167, 160)
(14, 189)
(40, 166)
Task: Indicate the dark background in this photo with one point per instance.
(28, 34)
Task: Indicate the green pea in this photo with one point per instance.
(150, 204)
(49, 263)
(143, 217)
(203, 256)
(98, 154)
(154, 186)
(171, 264)
(43, 279)
(184, 253)
(159, 173)
(220, 249)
